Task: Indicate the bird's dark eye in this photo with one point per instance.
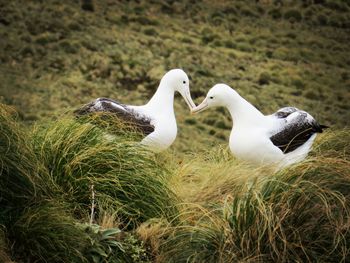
(211, 97)
(184, 82)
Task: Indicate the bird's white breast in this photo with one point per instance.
(252, 144)
(165, 129)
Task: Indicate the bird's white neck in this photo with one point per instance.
(242, 112)
(162, 100)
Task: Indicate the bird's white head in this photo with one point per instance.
(218, 95)
(178, 81)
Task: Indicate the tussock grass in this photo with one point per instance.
(240, 213)
(126, 177)
(45, 233)
(208, 178)
(334, 144)
(43, 203)
(35, 226)
(209, 207)
(22, 175)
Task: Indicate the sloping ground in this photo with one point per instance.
(59, 176)
(69, 195)
(55, 56)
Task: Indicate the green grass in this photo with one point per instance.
(298, 214)
(34, 221)
(194, 202)
(46, 196)
(208, 207)
(126, 178)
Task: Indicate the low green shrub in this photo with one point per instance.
(264, 78)
(208, 35)
(275, 13)
(293, 15)
(88, 5)
(150, 31)
(322, 19)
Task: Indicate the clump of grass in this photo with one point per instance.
(125, 176)
(46, 233)
(36, 227)
(198, 243)
(248, 12)
(322, 19)
(334, 144)
(42, 178)
(293, 15)
(264, 78)
(23, 177)
(69, 47)
(150, 31)
(300, 213)
(208, 35)
(209, 177)
(245, 47)
(88, 5)
(275, 13)
(297, 83)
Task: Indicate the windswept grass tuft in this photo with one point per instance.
(38, 223)
(334, 144)
(126, 178)
(45, 233)
(301, 213)
(22, 175)
(35, 226)
(213, 208)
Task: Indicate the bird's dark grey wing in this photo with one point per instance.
(297, 127)
(130, 116)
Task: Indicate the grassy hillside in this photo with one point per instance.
(57, 55)
(69, 195)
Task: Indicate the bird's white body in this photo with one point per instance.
(253, 135)
(157, 117)
(249, 138)
(160, 109)
(252, 143)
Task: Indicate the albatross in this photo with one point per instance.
(156, 119)
(282, 138)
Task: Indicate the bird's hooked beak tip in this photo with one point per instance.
(195, 111)
(200, 107)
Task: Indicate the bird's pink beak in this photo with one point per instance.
(187, 97)
(200, 107)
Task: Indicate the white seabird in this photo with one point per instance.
(156, 119)
(282, 138)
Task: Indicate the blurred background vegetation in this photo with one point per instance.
(58, 55)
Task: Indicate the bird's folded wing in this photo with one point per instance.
(123, 112)
(295, 128)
